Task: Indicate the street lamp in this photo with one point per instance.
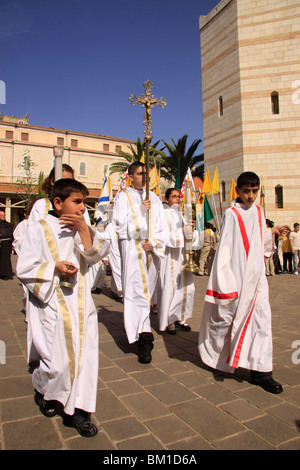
(58, 152)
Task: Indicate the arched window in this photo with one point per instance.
(220, 106)
(275, 102)
(223, 191)
(279, 196)
(82, 169)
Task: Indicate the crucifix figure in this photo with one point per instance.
(148, 101)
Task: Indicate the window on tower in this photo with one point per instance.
(275, 102)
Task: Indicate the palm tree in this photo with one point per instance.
(136, 154)
(180, 156)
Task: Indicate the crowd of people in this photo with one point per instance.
(286, 257)
(62, 260)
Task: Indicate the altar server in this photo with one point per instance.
(236, 323)
(140, 255)
(63, 320)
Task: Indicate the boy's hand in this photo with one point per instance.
(65, 269)
(76, 221)
(145, 206)
(147, 246)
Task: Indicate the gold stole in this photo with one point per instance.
(61, 300)
(138, 248)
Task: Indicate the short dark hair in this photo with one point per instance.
(64, 187)
(248, 178)
(169, 192)
(134, 166)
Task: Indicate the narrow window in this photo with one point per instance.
(279, 196)
(74, 143)
(223, 193)
(106, 147)
(82, 169)
(118, 148)
(220, 106)
(275, 102)
(60, 141)
(9, 135)
(24, 136)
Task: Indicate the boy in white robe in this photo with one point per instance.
(63, 320)
(114, 259)
(236, 322)
(140, 255)
(176, 287)
(42, 206)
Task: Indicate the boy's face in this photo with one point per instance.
(74, 204)
(138, 179)
(248, 194)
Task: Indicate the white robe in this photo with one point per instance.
(114, 259)
(19, 234)
(139, 270)
(99, 273)
(176, 287)
(236, 322)
(63, 321)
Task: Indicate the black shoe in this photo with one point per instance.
(145, 346)
(270, 385)
(80, 420)
(183, 326)
(171, 332)
(47, 408)
(86, 428)
(97, 291)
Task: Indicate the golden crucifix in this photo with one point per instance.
(148, 101)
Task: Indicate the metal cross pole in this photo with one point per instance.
(148, 101)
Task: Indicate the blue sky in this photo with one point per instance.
(72, 64)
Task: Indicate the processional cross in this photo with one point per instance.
(148, 101)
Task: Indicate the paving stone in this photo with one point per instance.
(192, 443)
(150, 377)
(286, 412)
(36, 433)
(272, 429)
(246, 440)
(211, 422)
(242, 410)
(169, 429)
(12, 387)
(171, 392)
(214, 394)
(125, 428)
(260, 397)
(99, 442)
(145, 406)
(18, 408)
(124, 387)
(112, 373)
(141, 443)
(109, 407)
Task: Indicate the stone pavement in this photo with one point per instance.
(174, 403)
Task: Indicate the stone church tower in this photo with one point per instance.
(250, 58)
